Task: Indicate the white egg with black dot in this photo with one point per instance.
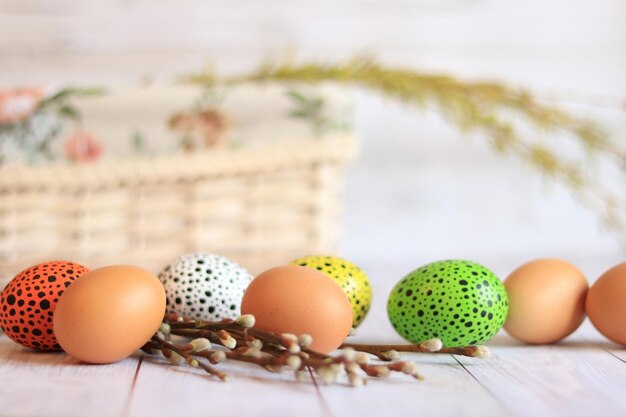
(204, 286)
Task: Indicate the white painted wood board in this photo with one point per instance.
(39, 384)
(574, 378)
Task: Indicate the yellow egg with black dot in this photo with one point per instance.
(352, 280)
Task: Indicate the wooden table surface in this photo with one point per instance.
(583, 376)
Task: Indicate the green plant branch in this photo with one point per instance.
(490, 109)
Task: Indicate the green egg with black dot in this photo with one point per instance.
(352, 280)
(458, 301)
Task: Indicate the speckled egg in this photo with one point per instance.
(460, 302)
(204, 286)
(350, 278)
(28, 301)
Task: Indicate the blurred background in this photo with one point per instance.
(419, 190)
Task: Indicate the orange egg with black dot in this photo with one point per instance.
(29, 300)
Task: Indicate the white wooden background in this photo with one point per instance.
(418, 192)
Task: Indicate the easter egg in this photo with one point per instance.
(546, 301)
(299, 300)
(28, 302)
(458, 301)
(352, 280)
(606, 305)
(204, 286)
(109, 313)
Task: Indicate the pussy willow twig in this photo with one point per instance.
(239, 340)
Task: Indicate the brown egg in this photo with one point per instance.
(109, 313)
(546, 301)
(606, 304)
(300, 300)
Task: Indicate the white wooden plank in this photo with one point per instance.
(574, 378)
(567, 379)
(618, 352)
(54, 384)
(588, 333)
(560, 45)
(447, 390)
(339, 20)
(164, 390)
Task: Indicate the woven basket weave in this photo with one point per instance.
(259, 206)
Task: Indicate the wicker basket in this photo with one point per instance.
(257, 206)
